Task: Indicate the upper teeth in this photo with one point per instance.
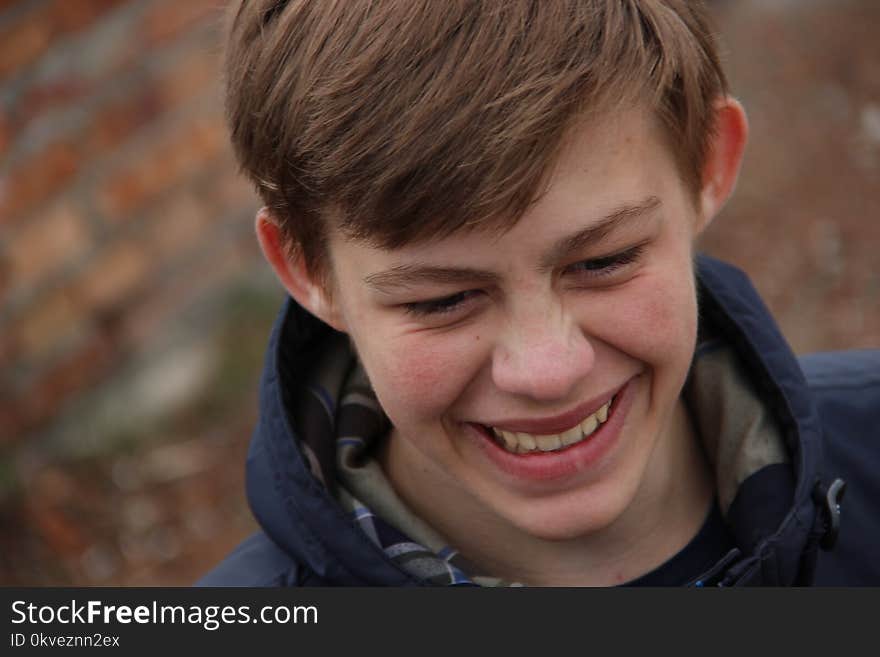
(520, 443)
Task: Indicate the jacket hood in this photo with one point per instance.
(766, 484)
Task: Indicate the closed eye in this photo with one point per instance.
(592, 268)
(440, 306)
(606, 265)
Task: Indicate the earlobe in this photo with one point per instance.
(724, 157)
(291, 271)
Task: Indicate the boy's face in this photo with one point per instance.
(589, 298)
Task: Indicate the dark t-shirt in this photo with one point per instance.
(711, 543)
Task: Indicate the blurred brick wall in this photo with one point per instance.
(805, 218)
(119, 200)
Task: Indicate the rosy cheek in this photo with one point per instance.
(422, 375)
(654, 319)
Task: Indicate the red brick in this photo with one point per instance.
(11, 421)
(73, 16)
(6, 4)
(178, 225)
(22, 43)
(26, 40)
(207, 274)
(5, 133)
(122, 195)
(61, 534)
(5, 276)
(9, 348)
(69, 375)
(172, 163)
(41, 98)
(118, 122)
(169, 18)
(45, 244)
(37, 179)
(116, 274)
(195, 71)
(45, 323)
(79, 370)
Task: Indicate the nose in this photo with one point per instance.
(543, 356)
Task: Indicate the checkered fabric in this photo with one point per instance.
(341, 424)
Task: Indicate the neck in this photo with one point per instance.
(666, 513)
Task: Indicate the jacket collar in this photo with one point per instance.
(785, 555)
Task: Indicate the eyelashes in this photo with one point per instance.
(608, 265)
(591, 269)
(439, 306)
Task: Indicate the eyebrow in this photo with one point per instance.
(404, 276)
(598, 231)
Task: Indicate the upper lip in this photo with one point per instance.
(556, 423)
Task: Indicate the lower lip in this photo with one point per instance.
(563, 463)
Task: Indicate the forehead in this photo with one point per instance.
(606, 166)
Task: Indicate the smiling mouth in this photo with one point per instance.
(518, 442)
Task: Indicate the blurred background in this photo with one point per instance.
(134, 305)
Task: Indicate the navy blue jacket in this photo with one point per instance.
(791, 522)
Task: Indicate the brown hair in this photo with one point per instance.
(411, 119)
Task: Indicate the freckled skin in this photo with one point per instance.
(539, 345)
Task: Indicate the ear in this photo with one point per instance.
(724, 157)
(292, 273)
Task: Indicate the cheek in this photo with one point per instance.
(418, 377)
(655, 319)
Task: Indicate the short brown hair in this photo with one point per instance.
(413, 119)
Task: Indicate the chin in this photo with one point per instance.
(557, 520)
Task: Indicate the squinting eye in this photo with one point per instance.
(607, 265)
(439, 306)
